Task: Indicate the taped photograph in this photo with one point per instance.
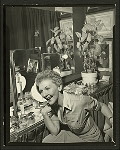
(32, 65)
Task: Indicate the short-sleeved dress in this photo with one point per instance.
(76, 114)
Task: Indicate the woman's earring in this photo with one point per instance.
(60, 88)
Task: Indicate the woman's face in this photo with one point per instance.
(49, 91)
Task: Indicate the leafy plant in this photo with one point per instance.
(61, 43)
(88, 44)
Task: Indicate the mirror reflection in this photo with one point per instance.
(48, 28)
(43, 39)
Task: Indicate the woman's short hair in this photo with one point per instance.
(49, 74)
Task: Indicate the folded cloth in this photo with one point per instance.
(67, 102)
(36, 95)
(108, 130)
(110, 105)
(20, 82)
(62, 137)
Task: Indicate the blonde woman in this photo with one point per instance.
(67, 116)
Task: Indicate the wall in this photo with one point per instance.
(78, 21)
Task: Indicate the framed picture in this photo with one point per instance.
(97, 8)
(50, 60)
(104, 62)
(32, 65)
(107, 20)
(67, 26)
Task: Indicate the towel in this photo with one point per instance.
(36, 95)
(20, 79)
(67, 101)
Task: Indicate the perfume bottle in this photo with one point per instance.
(31, 118)
(23, 121)
(20, 102)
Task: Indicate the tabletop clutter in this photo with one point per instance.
(29, 110)
(28, 113)
(79, 88)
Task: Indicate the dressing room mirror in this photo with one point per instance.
(48, 27)
(59, 43)
(30, 38)
(24, 65)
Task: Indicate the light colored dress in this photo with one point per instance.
(76, 114)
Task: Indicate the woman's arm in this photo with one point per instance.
(93, 104)
(52, 123)
(106, 112)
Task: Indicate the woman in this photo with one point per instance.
(70, 120)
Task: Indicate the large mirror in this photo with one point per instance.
(48, 28)
(43, 37)
(38, 38)
(24, 65)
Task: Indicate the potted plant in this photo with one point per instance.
(89, 49)
(62, 44)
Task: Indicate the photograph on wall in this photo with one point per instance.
(107, 19)
(104, 57)
(67, 26)
(104, 60)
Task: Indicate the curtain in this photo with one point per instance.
(79, 14)
(23, 22)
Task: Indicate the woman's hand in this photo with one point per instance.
(51, 121)
(45, 110)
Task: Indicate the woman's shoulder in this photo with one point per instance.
(71, 95)
(76, 97)
(74, 100)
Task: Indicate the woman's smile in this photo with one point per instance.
(48, 97)
(49, 91)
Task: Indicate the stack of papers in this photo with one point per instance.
(105, 79)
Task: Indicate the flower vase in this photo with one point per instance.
(89, 78)
(65, 69)
(65, 65)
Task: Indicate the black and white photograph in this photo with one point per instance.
(61, 75)
(32, 65)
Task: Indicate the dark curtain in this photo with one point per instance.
(22, 22)
(78, 22)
